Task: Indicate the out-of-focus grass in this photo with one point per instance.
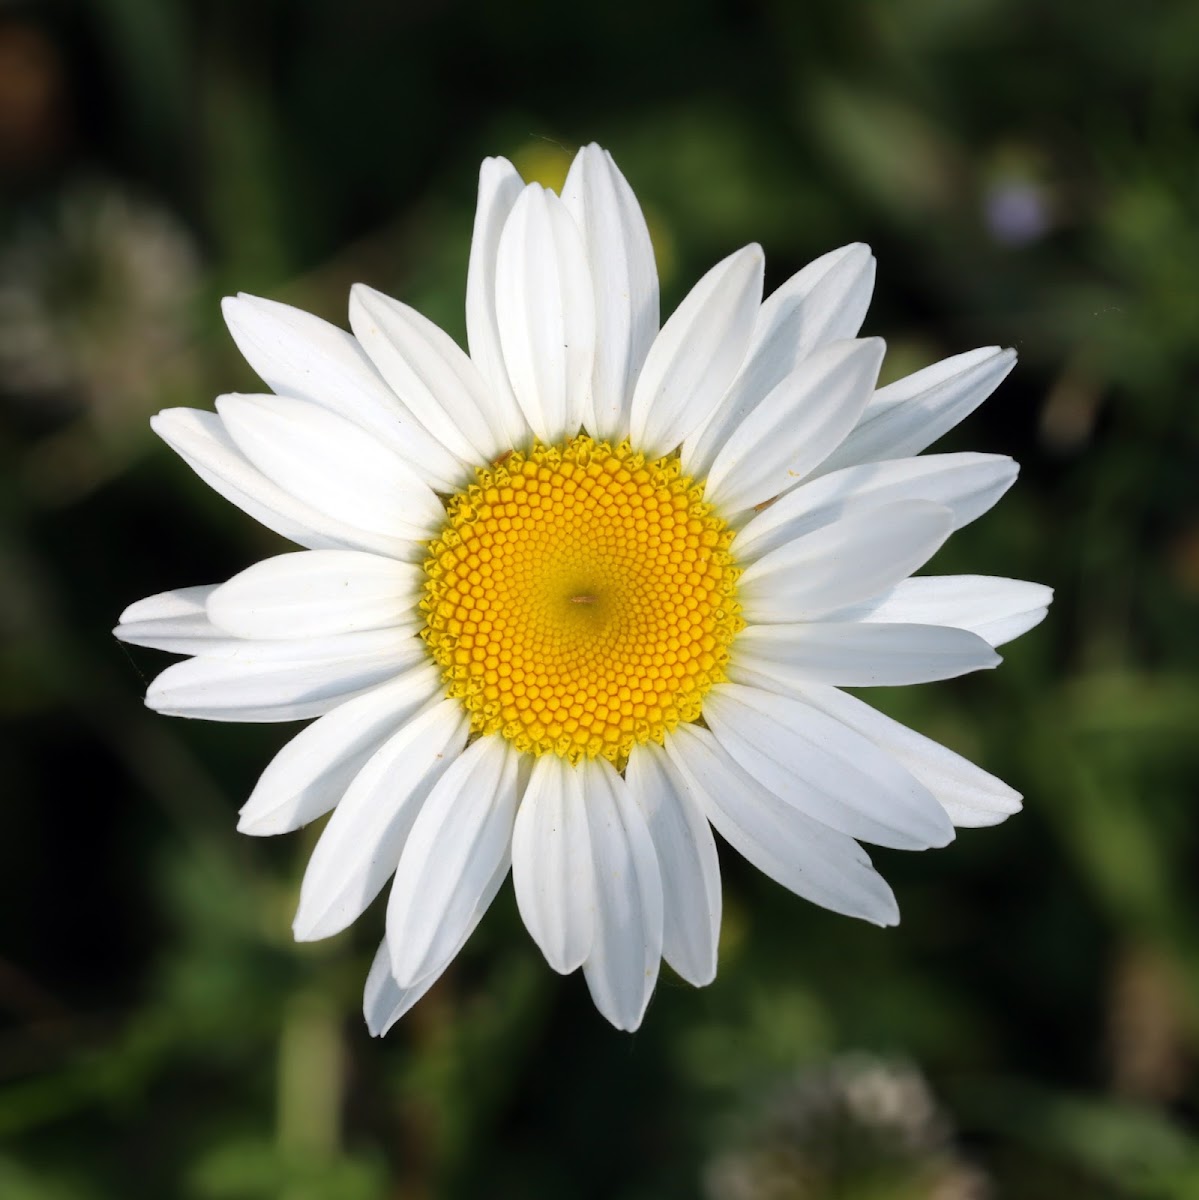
(1026, 173)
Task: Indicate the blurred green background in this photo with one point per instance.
(1028, 173)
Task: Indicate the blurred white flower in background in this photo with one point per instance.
(854, 1128)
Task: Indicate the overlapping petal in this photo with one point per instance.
(796, 426)
(333, 464)
(317, 593)
(552, 870)
(696, 354)
(622, 966)
(499, 186)
(203, 442)
(176, 621)
(966, 484)
(426, 368)
(853, 654)
(825, 769)
(282, 681)
(299, 355)
(686, 852)
(545, 309)
(360, 846)
(907, 416)
(997, 610)
(825, 302)
(460, 839)
(624, 277)
(968, 794)
(312, 771)
(849, 560)
(803, 855)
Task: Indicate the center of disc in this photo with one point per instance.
(643, 566)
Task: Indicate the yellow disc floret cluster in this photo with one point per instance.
(581, 599)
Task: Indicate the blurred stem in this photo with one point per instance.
(311, 1069)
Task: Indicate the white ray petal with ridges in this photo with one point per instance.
(824, 302)
(316, 593)
(824, 769)
(796, 426)
(803, 855)
(203, 442)
(270, 688)
(360, 846)
(968, 794)
(551, 864)
(425, 367)
(311, 773)
(546, 313)
(332, 464)
(695, 356)
(461, 836)
(176, 621)
(840, 564)
(620, 257)
(691, 897)
(907, 416)
(995, 609)
(384, 1002)
(299, 355)
(852, 654)
(499, 186)
(966, 484)
(622, 968)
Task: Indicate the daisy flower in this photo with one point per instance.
(570, 601)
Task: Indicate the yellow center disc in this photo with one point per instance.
(581, 599)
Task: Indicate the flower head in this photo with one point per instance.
(570, 601)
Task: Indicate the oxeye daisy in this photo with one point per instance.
(570, 601)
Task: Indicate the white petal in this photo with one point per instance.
(551, 864)
(995, 609)
(824, 769)
(262, 689)
(361, 644)
(360, 846)
(384, 1001)
(297, 354)
(842, 563)
(694, 358)
(332, 464)
(310, 774)
(499, 186)
(315, 593)
(460, 839)
(203, 442)
(687, 857)
(625, 281)
(824, 302)
(546, 313)
(804, 856)
(432, 376)
(849, 654)
(910, 414)
(968, 794)
(796, 426)
(622, 968)
(176, 621)
(967, 484)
